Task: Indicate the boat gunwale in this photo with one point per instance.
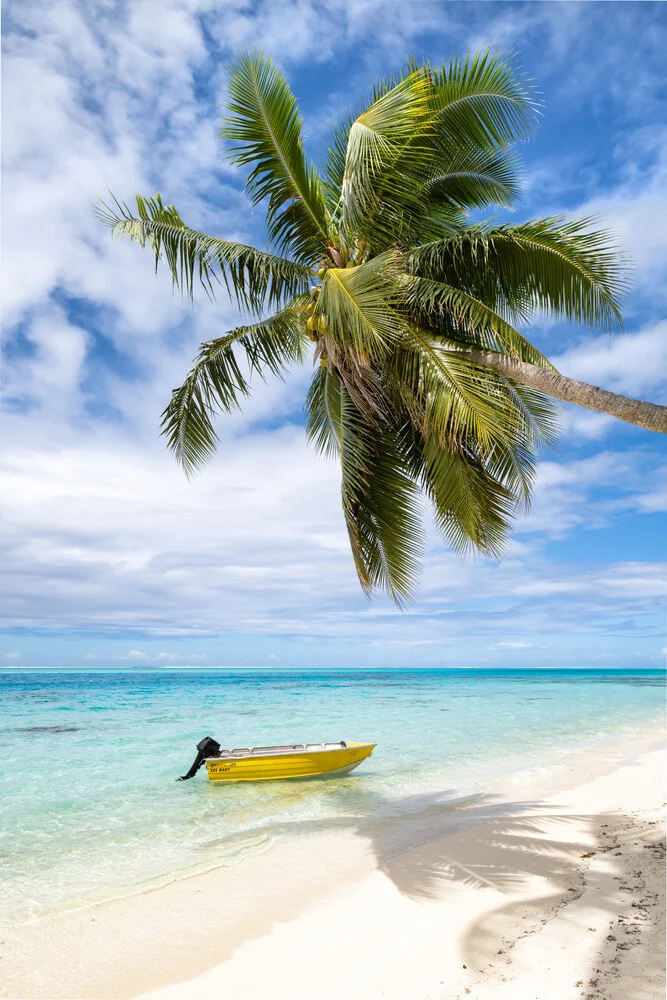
(300, 748)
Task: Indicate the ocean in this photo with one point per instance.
(91, 809)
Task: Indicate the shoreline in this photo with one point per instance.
(206, 932)
(431, 811)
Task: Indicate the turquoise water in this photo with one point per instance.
(90, 805)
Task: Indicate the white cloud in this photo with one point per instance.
(585, 492)
(183, 657)
(511, 645)
(632, 364)
(263, 521)
(637, 218)
(11, 656)
(654, 499)
(51, 376)
(634, 210)
(583, 426)
(256, 544)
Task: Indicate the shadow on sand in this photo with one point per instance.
(504, 846)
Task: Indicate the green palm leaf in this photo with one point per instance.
(217, 381)
(448, 396)
(476, 322)
(435, 137)
(390, 130)
(380, 498)
(476, 489)
(473, 510)
(474, 178)
(480, 431)
(359, 306)
(323, 405)
(264, 126)
(483, 102)
(254, 279)
(559, 266)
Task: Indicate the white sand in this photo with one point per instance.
(557, 896)
(564, 902)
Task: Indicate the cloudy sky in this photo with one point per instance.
(110, 557)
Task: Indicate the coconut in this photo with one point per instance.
(320, 274)
(312, 324)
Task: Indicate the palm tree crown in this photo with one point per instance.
(377, 269)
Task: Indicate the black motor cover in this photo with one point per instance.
(208, 747)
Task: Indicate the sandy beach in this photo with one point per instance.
(553, 888)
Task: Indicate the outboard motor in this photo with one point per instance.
(205, 748)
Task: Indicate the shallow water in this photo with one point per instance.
(90, 806)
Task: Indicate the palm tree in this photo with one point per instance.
(425, 386)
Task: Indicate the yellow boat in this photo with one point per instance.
(298, 760)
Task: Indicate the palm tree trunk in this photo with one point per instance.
(649, 415)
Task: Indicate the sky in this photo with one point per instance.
(110, 557)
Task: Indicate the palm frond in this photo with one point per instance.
(358, 306)
(451, 405)
(333, 170)
(473, 509)
(563, 267)
(380, 498)
(434, 137)
(476, 322)
(323, 411)
(264, 126)
(476, 489)
(450, 399)
(384, 133)
(474, 178)
(447, 396)
(457, 158)
(256, 280)
(217, 381)
(483, 101)
(512, 461)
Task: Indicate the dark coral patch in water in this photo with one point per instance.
(49, 729)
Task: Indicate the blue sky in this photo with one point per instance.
(110, 557)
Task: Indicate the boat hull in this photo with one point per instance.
(295, 764)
